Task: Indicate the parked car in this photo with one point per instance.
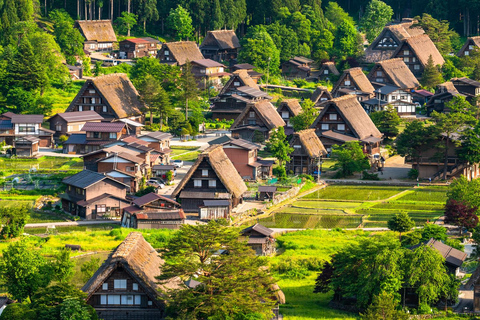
(177, 163)
(155, 183)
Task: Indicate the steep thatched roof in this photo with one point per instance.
(330, 66)
(423, 47)
(398, 73)
(358, 77)
(293, 105)
(470, 41)
(223, 39)
(183, 51)
(265, 110)
(97, 30)
(137, 257)
(446, 87)
(319, 92)
(222, 166)
(311, 143)
(353, 114)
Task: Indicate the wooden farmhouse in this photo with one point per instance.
(112, 96)
(160, 141)
(239, 91)
(125, 167)
(443, 94)
(297, 68)
(96, 135)
(472, 43)
(249, 68)
(76, 73)
(178, 53)
(64, 124)
(328, 72)
(208, 73)
(266, 193)
(307, 152)
(256, 122)
(468, 87)
(343, 119)
(390, 39)
(288, 109)
(220, 45)
(125, 286)
(260, 239)
(92, 195)
(353, 82)
(98, 34)
(137, 48)
(415, 52)
(212, 187)
(153, 211)
(320, 95)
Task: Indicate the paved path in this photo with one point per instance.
(55, 153)
(70, 223)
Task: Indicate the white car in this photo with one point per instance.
(177, 163)
(155, 183)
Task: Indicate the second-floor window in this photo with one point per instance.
(251, 114)
(58, 127)
(333, 116)
(80, 108)
(325, 126)
(113, 135)
(105, 286)
(341, 127)
(96, 135)
(204, 173)
(26, 128)
(120, 284)
(236, 83)
(325, 71)
(285, 115)
(130, 169)
(197, 183)
(347, 82)
(104, 109)
(406, 52)
(212, 183)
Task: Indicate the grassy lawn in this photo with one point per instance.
(184, 153)
(362, 193)
(43, 163)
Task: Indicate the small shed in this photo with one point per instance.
(26, 146)
(160, 171)
(215, 209)
(260, 239)
(266, 192)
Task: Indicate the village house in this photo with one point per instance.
(137, 48)
(468, 87)
(249, 68)
(208, 73)
(443, 94)
(212, 187)
(244, 156)
(307, 153)
(75, 72)
(92, 195)
(220, 45)
(343, 119)
(178, 53)
(328, 72)
(260, 239)
(256, 122)
(161, 170)
(266, 193)
(125, 286)
(64, 124)
(112, 96)
(239, 91)
(160, 142)
(288, 109)
(387, 95)
(390, 39)
(298, 67)
(96, 135)
(416, 51)
(353, 82)
(320, 95)
(472, 43)
(98, 34)
(454, 258)
(153, 211)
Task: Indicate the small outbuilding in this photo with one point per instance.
(266, 192)
(260, 239)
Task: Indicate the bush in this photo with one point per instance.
(412, 174)
(62, 138)
(306, 177)
(369, 176)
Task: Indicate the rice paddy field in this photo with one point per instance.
(339, 206)
(44, 163)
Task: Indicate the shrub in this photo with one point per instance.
(369, 176)
(413, 174)
(63, 138)
(279, 172)
(306, 177)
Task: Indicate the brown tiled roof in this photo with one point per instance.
(223, 167)
(358, 77)
(87, 178)
(97, 30)
(451, 255)
(103, 126)
(319, 92)
(398, 73)
(266, 111)
(423, 47)
(183, 51)
(27, 118)
(312, 144)
(225, 39)
(293, 105)
(168, 214)
(127, 156)
(78, 116)
(260, 229)
(158, 135)
(137, 257)
(208, 63)
(150, 197)
(134, 139)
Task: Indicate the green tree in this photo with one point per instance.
(469, 150)
(126, 22)
(154, 96)
(438, 31)
(147, 11)
(180, 22)
(87, 69)
(188, 86)
(377, 15)
(347, 41)
(73, 309)
(350, 158)
(88, 268)
(285, 39)
(415, 139)
(305, 119)
(401, 223)
(465, 191)
(461, 214)
(384, 306)
(336, 15)
(232, 285)
(18, 311)
(431, 76)
(432, 230)
(387, 121)
(63, 267)
(12, 220)
(279, 146)
(68, 38)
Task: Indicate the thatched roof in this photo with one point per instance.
(223, 39)
(475, 41)
(137, 257)
(358, 77)
(311, 143)
(398, 73)
(265, 110)
(446, 87)
(330, 66)
(243, 77)
(97, 30)
(293, 105)
(118, 92)
(223, 167)
(183, 51)
(423, 47)
(319, 92)
(354, 115)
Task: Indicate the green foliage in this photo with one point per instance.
(377, 15)
(126, 22)
(431, 230)
(155, 97)
(384, 306)
(279, 146)
(305, 119)
(12, 220)
(89, 268)
(401, 223)
(369, 176)
(18, 311)
(415, 139)
(439, 31)
(147, 11)
(180, 22)
(387, 121)
(431, 76)
(62, 266)
(68, 38)
(347, 41)
(87, 67)
(350, 158)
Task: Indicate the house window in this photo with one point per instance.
(251, 114)
(150, 302)
(127, 299)
(212, 183)
(325, 126)
(92, 108)
(93, 100)
(102, 208)
(91, 91)
(79, 191)
(379, 79)
(416, 67)
(297, 146)
(341, 127)
(120, 284)
(166, 52)
(406, 52)
(58, 127)
(394, 98)
(204, 173)
(325, 71)
(135, 286)
(114, 298)
(220, 69)
(105, 286)
(403, 97)
(104, 108)
(379, 73)
(347, 82)
(80, 108)
(333, 116)
(467, 53)
(103, 299)
(197, 183)
(252, 122)
(130, 169)
(236, 83)
(113, 135)
(406, 59)
(470, 47)
(323, 99)
(285, 115)
(96, 135)
(414, 59)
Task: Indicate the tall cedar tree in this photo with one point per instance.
(233, 281)
(431, 76)
(154, 96)
(387, 121)
(401, 223)
(126, 22)
(147, 11)
(279, 146)
(189, 86)
(460, 214)
(438, 31)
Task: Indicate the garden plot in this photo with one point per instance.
(358, 193)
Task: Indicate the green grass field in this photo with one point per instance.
(184, 153)
(43, 163)
(362, 193)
